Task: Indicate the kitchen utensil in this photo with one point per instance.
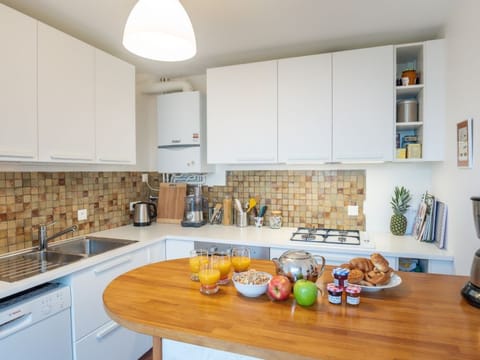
(216, 212)
(471, 290)
(251, 204)
(144, 213)
(193, 213)
(299, 264)
(241, 219)
(263, 210)
(171, 199)
(251, 283)
(238, 205)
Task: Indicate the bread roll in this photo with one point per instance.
(378, 278)
(380, 263)
(362, 264)
(355, 276)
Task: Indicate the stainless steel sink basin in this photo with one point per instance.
(89, 246)
(32, 262)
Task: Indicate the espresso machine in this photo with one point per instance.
(194, 209)
(471, 290)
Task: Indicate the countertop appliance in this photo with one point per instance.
(36, 324)
(471, 290)
(256, 252)
(144, 213)
(194, 209)
(332, 236)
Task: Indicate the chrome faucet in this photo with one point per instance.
(43, 238)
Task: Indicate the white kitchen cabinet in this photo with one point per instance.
(114, 110)
(156, 252)
(363, 104)
(175, 249)
(18, 90)
(242, 113)
(94, 333)
(66, 97)
(305, 109)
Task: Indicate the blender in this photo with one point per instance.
(471, 290)
(193, 215)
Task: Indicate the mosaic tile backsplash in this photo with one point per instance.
(306, 198)
(28, 199)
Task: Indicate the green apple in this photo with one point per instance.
(305, 292)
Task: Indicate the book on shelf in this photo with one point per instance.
(430, 222)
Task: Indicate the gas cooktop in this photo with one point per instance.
(327, 236)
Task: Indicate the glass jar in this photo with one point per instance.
(353, 294)
(340, 277)
(334, 294)
(276, 219)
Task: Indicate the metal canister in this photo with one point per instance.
(407, 110)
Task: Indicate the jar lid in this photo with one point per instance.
(353, 289)
(276, 212)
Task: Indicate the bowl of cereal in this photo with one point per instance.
(251, 283)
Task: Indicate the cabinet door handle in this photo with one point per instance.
(71, 157)
(15, 325)
(16, 154)
(112, 264)
(108, 330)
(255, 159)
(115, 160)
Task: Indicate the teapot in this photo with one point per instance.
(299, 264)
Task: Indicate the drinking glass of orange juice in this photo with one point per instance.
(197, 257)
(240, 259)
(224, 264)
(209, 275)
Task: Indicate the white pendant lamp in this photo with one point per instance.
(160, 30)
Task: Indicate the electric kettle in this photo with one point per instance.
(144, 213)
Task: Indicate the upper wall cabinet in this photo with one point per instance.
(114, 110)
(305, 109)
(363, 103)
(66, 97)
(242, 113)
(420, 116)
(18, 90)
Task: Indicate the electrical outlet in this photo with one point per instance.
(82, 214)
(352, 210)
(132, 203)
(145, 178)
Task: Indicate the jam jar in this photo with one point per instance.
(353, 294)
(340, 277)
(334, 294)
(276, 219)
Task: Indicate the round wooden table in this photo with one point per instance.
(424, 317)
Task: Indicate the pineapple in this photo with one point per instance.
(400, 204)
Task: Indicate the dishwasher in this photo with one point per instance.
(36, 324)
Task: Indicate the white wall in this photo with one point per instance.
(453, 184)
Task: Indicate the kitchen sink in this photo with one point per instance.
(89, 246)
(31, 262)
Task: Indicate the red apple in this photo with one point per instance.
(279, 288)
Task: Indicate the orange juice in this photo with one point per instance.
(224, 266)
(209, 276)
(240, 263)
(195, 263)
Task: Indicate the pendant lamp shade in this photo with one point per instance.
(160, 30)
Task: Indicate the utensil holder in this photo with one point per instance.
(241, 219)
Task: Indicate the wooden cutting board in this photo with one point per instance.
(171, 199)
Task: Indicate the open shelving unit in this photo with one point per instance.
(409, 57)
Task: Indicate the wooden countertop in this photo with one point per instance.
(425, 317)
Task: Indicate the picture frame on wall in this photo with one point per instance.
(464, 143)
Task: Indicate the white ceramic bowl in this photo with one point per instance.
(251, 290)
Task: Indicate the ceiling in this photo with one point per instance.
(239, 31)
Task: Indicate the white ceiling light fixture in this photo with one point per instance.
(160, 30)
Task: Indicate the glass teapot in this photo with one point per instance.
(299, 264)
